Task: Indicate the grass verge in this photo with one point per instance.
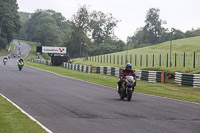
(13, 120)
(4, 52)
(158, 89)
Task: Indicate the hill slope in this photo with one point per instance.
(181, 45)
(154, 57)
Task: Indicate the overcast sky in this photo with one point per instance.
(180, 14)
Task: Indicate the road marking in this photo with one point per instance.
(33, 119)
(116, 89)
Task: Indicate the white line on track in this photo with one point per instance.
(115, 88)
(33, 119)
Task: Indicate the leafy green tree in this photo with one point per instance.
(9, 21)
(48, 34)
(151, 33)
(47, 27)
(89, 29)
(153, 25)
(80, 30)
(102, 26)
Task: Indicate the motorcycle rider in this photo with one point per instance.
(126, 72)
(21, 60)
(5, 60)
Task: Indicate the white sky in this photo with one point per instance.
(180, 14)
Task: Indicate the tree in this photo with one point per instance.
(102, 26)
(80, 30)
(151, 33)
(153, 25)
(47, 27)
(91, 28)
(9, 21)
(48, 34)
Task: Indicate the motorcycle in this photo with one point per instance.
(4, 61)
(20, 65)
(127, 88)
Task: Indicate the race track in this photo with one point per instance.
(67, 105)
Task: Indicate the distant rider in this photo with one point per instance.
(5, 60)
(126, 72)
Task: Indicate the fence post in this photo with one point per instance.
(113, 59)
(107, 58)
(101, 58)
(131, 59)
(167, 61)
(146, 60)
(135, 60)
(141, 60)
(194, 61)
(121, 59)
(184, 59)
(104, 58)
(98, 58)
(117, 59)
(160, 61)
(110, 59)
(126, 60)
(153, 61)
(175, 59)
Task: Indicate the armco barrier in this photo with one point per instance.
(150, 76)
(41, 61)
(187, 79)
(78, 67)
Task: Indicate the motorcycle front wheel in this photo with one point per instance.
(129, 95)
(122, 95)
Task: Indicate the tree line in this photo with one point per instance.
(86, 33)
(153, 32)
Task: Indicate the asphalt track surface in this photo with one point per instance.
(67, 105)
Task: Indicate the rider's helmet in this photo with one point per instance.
(128, 66)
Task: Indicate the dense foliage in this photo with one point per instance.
(9, 21)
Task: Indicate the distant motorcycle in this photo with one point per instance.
(20, 65)
(127, 88)
(4, 61)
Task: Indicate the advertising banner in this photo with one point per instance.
(54, 50)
